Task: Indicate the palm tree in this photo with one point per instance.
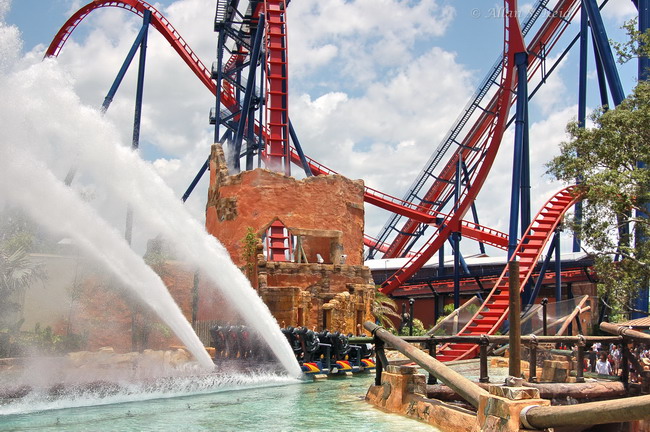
(384, 307)
(17, 273)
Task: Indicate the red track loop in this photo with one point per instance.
(494, 310)
(542, 43)
(481, 155)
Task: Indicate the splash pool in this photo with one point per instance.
(280, 405)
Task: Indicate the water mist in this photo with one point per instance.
(46, 122)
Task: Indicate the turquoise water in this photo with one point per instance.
(236, 405)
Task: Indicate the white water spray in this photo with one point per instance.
(59, 209)
(48, 123)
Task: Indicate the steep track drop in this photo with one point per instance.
(494, 311)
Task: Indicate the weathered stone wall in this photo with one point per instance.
(304, 291)
(255, 198)
(327, 213)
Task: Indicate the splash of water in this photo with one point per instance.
(59, 209)
(103, 393)
(47, 122)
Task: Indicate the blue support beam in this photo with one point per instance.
(582, 103)
(525, 173)
(644, 22)
(301, 154)
(125, 66)
(521, 61)
(542, 272)
(137, 117)
(604, 51)
(114, 87)
(226, 136)
(558, 267)
(139, 92)
(455, 236)
(217, 74)
(248, 94)
(641, 303)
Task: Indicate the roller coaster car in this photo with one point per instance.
(238, 342)
(219, 341)
(294, 341)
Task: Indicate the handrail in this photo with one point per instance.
(470, 391)
(590, 413)
(623, 331)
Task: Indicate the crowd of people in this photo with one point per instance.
(607, 360)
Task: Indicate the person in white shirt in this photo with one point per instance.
(603, 367)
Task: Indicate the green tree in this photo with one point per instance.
(605, 157)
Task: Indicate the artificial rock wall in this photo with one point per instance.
(326, 212)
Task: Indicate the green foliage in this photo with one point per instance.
(615, 189)
(418, 329)
(637, 44)
(384, 307)
(249, 251)
(17, 231)
(43, 341)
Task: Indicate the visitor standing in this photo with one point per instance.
(602, 365)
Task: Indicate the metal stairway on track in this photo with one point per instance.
(494, 311)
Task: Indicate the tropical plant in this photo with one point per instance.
(17, 273)
(418, 329)
(384, 307)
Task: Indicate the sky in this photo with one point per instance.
(374, 86)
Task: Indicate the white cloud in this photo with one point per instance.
(366, 99)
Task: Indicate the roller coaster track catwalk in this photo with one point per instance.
(481, 144)
(440, 193)
(229, 100)
(494, 311)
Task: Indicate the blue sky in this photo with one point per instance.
(374, 84)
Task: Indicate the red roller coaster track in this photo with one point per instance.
(478, 149)
(165, 28)
(494, 310)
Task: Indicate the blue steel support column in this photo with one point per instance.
(525, 188)
(111, 92)
(248, 94)
(525, 173)
(135, 143)
(456, 237)
(261, 119)
(521, 61)
(125, 66)
(441, 260)
(542, 272)
(558, 267)
(301, 154)
(219, 78)
(641, 302)
(203, 169)
(602, 81)
(582, 103)
(481, 245)
(644, 23)
(604, 51)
